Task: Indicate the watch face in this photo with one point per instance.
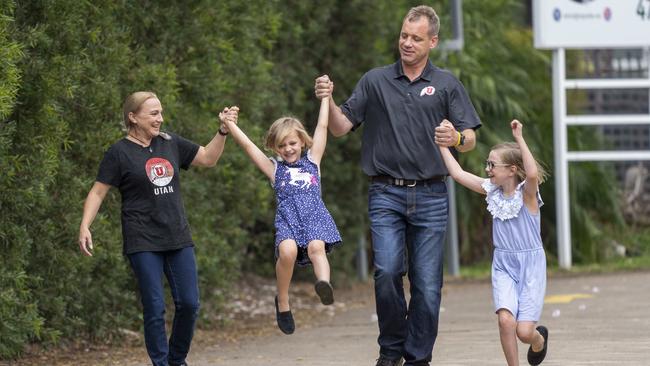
(462, 139)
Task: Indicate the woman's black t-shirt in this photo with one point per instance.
(153, 216)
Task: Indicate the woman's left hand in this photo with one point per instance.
(228, 115)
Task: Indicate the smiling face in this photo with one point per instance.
(415, 42)
(498, 171)
(290, 148)
(148, 118)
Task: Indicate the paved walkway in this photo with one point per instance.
(592, 320)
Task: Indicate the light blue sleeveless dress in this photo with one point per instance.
(519, 262)
(301, 214)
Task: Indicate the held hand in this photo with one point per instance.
(223, 114)
(85, 242)
(323, 87)
(228, 115)
(233, 114)
(445, 122)
(517, 129)
(446, 134)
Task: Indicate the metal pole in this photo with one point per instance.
(453, 262)
(563, 220)
(457, 39)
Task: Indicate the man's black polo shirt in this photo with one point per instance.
(400, 118)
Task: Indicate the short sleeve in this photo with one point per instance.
(520, 187)
(109, 169)
(355, 107)
(275, 169)
(489, 187)
(275, 164)
(309, 157)
(311, 160)
(461, 110)
(187, 151)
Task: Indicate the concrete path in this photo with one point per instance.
(592, 320)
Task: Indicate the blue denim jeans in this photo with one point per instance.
(179, 266)
(408, 229)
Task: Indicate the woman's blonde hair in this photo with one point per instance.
(132, 104)
(510, 154)
(281, 128)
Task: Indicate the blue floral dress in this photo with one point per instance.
(301, 214)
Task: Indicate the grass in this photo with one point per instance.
(635, 240)
(482, 271)
(612, 265)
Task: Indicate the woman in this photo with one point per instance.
(144, 166)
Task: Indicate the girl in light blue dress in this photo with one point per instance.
(519, 262)
(305, 230)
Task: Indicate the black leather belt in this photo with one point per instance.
(406, 182)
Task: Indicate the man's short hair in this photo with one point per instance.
(427, 12)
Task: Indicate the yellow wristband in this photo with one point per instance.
(457, 142)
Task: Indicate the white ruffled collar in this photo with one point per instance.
(502, 207)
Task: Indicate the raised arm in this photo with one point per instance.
(254, 153)
(530, 166)
(467, 179)
(320, 134)
(208, 155)
(339, 124)
(91, 207)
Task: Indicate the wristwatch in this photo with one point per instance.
(462, 139)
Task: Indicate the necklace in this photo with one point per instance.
(143, 143)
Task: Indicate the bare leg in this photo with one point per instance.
(288, 251)
(318, 257)
(528, 334)
(508, 335)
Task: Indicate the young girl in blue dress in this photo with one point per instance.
(519, 262)
(305, 230)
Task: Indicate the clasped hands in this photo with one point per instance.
(229, 114)
(446, 134)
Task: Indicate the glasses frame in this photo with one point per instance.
(489, 164)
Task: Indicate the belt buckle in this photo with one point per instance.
(414, 183)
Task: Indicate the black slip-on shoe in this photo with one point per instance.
(535, 358)
(284, 319)
(325, 291)
(383, 361)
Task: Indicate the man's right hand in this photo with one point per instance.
(323, 87)
(446, 134)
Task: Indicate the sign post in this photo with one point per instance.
(584, 24)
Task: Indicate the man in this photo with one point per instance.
(402, 106)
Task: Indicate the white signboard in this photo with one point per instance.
(591, 23)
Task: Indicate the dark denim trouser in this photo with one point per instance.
(408, 224)
(179, 266)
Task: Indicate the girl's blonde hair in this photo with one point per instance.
(510, 154)
(132, 104)
(281, 128)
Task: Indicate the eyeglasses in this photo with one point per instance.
(489, 164)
